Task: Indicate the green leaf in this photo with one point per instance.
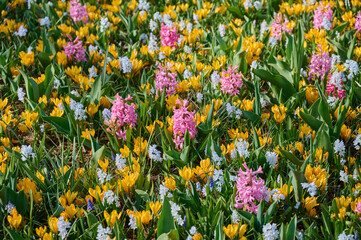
(291, 229)
(313, 122)
(218, 233)
(277, 80)
(297, 178)
(61, 124)
(324, 112)
(291, 157)
(235, 11)
(13, 234)
(166, 221)
(95, 92)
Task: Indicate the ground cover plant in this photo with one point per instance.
(180, 119)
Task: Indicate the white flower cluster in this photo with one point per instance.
(343, 176)
(21, 94)
(241, 149)
(152, 44)
(327, 24)
(26, 152)
(143, 5)
(217, 159)
(276, 195)
(215, 79)
(78, 108)
(163, 191)
(343, 236)
(311, 188)
(63, 228)
(125, 64)
(218, 179)
(352, 67)
(175, 213)
(21, 32)
(45, 22)
(132, 222)
(357, 142)
(102, 233)
(120, 162)
(9, 207)
(270, 231)
(340, 148)
(233, 111)
(92, 72)
(104, 24)
(271, 158)
(111, 198)
(221, 30)
(103, 176)
(154, 154)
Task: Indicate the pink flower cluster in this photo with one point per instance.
(279, 27)
(231, 81)
(320, 13)
(250, 189)
(320, 64)
(78, 12)
(183, 121)
(169, 36)
(122, 114)
(167, 79)
(337, 92)
(358, 22)
(75, 49)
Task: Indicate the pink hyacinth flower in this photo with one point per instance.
(75, 50)
(183, 120)
(78, 12)
(231, 81)
(169, 36)
(250, 189)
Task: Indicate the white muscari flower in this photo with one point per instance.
(218, 179)
(104, 24)
(247, 4)
(189, 27)
(182, 25)
(168, 21)
(26, 152)
(126, 64)
(9, 207)
(187, 74)
(153, 25)
(235, 216)
(195, 18)
(163, 191)
(357, 142)
(143, 5)
(343, 176)
(152, 44)
(154, 154)
(175, 213)
(257, 5)
(311, 188)
(63, 228)
(157, 16)
(327, 25)
(199, 97)
(21, 94)
(242, 148)
(332, 101)
(271, 158)
(102, 233)
(45, 22)
(264, 27)
(110, 198)
(272, 41)
(120, 162)
(50, 4)
(340, 148)
(92, 72)
(343, 236)
(193, 230)
(187, 49)
(217, 159)
(297, 205)
(106, 114)
(132, 222)
(92, 48)
(270, 231)
(103, 176)
(222, 30)
(161, 56)
(215, 77)
(79, 111)
(353, 68)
